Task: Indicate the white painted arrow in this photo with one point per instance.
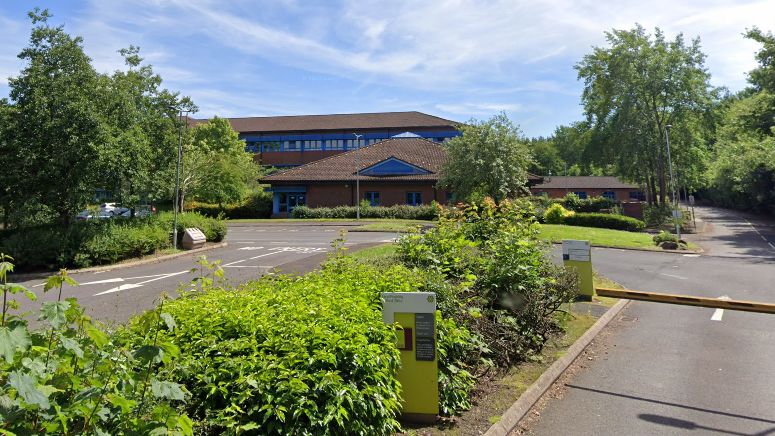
(137, 285)
(718, 313)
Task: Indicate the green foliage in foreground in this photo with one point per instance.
(97, 242)
(493, 279)
(70, 377)
(292, 355)
(422, 212)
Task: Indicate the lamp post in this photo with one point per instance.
(176, 201)
(357, 178)
(672, 182)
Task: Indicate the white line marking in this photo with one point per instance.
(771, 246)
(119, 288)
(250, 258)
(676, 277)
(691, 255)
(137, 285)
(116, 280)
(718, 313)
(250, 248)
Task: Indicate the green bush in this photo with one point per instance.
(402, 211)
(117, 241)
(606, 221)
(588, 205)
(98, 242)
(214, 229)
(657, 215)
(69, 376)
(501, 287)
(556, 214)
(257, 205)
(304, 355)
(664, 236)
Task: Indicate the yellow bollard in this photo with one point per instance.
(577, 256)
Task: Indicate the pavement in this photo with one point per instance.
(252, 251)
(666, 369)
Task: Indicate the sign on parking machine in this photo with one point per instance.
(577, 255)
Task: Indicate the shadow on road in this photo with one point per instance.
(682, 406)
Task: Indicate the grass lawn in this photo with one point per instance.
(600, 237)
(398, 226)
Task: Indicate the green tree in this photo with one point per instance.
(490, 159)
(633, 89)
(56, 121)
(139, 158)
(216, 167)
(546, 157)
(743, 170)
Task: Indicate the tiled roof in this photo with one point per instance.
(383, 120)
(583, 182)
(419, 152)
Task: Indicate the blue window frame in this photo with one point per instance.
(413, 198)
(373, 197)
(581, 194)
(611, 195)
(637, 195)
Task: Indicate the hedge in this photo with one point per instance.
(606, 221)
(258, 205)
(98, 242)
(285, 355)
(403, 211)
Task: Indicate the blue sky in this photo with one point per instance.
(456, 59)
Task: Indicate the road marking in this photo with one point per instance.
(718, 313)
(250, 258)
(126, 286)
(691, 255)
(676, 277)
(250, 248)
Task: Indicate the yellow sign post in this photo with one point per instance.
(415, 316)
(577, 255)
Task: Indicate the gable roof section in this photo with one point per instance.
(583, 182)
(415, 152)
(298, 123)
(393, 167)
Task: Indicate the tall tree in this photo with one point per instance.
(216, 167)
(490, 158)
(56, 120)
(139, 157)
(633, 89)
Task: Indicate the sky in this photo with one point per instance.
(455, 59)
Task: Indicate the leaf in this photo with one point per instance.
(125, 404)
(27, 388)
(54, 312)
(149, 352)
(71, 345)
(13, 339)
(168, 320)
(97, 336)
(167, 389)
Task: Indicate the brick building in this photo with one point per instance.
(588, 186)
(288, 141)
(400, 170)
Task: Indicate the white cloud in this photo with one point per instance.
(471, 109)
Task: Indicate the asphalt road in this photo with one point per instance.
(675, 369)
(251, 252)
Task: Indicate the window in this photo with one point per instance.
(334, 144)
(541, 194)
(581, 194)
(271, 146)
(313, 145)
(413, 198)
(373, 197)
(637, 196)
(611, 195)
(291, 145)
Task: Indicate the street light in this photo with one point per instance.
(357, 179)
(176, 201)
(672, 182)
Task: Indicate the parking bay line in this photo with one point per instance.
(718, 313)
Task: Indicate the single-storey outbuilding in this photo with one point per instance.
(588, 186)
(400, 170)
